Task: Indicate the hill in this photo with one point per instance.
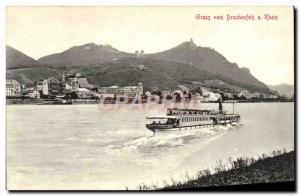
(29, 75)
(209, 60)
(104, 65)
(16, 59)
(87, 54)
(154, 74)
(283, 89)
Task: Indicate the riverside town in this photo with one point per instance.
(74, 88)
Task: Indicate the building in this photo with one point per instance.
(129, 91)
(34, 94)
(244, 94)
(269, 96)
(255, 95)
(13, 88)
(50, 86)
(76, 81)
(228, 95)
(209, 95)
(116, 90)
(84, 93)
(132, 91)
(42, 86)
(139, 54)
(54, 86)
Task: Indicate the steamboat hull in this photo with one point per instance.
(187, 119)
(181, 128)
(184, 123)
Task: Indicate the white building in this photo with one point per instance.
(255, 95)
(245, 94)
(13, 88)
(79, 81)
(228, 95)
(209, 95)
(83, 93)
(74, 83)
(34, 94)
(42, 85)
(130, 91)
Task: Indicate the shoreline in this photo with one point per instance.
(31, 101)
(275, 168)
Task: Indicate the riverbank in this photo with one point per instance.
(34, 101)
(277, 167)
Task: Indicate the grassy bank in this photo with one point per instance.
(277, 167)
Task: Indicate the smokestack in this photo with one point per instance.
(220, 104)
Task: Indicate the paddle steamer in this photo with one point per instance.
(186, 119)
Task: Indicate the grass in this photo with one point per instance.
(277, 167)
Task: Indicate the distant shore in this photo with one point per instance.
(33, 101)
(277, 167)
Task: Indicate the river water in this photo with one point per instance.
(92, 147)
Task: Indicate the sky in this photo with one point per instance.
(263, 46)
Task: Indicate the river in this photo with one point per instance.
(57, 147)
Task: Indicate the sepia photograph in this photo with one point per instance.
(150, 98)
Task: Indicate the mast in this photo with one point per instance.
(220, 104)
(232, 101)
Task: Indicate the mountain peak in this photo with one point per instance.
(17, 59)
(188, 45)
(210, 60)
(86, 54)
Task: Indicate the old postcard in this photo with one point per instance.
(149, 98)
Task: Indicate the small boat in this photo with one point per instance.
(186, 119)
